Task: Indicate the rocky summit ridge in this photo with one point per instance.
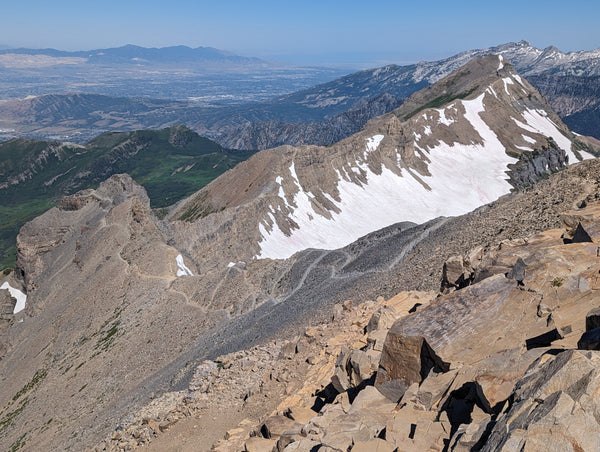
(122, 307)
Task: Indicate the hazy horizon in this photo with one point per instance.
(321, 32)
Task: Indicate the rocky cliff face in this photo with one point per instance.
(98, 272)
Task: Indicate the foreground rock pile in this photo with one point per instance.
(494, 365)
(503, 358)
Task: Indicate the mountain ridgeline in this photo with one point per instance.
(483, 122)
(320, 115)
(171, 164)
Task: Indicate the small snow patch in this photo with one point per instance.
(537, 121)
(182, 270)
(518, 79)
(492, 92)
(507, 81)
(16, 293)
(529, 139)
(373, 143)
(443, 119)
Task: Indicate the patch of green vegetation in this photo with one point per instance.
(439, 101)
(199, 208)
(37, 378)
(161, 213)
(558, 281)
(106, 341)
(13, 215)
(7, 420)
(170, 164)
(18, 444)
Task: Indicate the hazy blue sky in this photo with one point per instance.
(321, 31)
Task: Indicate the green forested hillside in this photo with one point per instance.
(171, 164)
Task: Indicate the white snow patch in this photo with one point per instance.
(372, 144)
(586, 155)
(539, 122)
(524, 148)
(529, 139)
(417, 136)
(388, 198)
(182, 270)
(518, 79)
(16, 293)
(443, 119)
(507, 81)
(231, 264)
(501, 64)
(427, 130)
(492, 92)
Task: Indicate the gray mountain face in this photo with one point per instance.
(264, 135)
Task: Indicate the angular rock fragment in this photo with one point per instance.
(276, 426)
(383, 318)
(256, 444)
(373, 445)
(518, 271)
(405, 360)
(434, 387)
(555, 407)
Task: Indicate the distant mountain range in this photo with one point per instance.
(142, 55)
(322, 114)
(204, 75)
(569, 81)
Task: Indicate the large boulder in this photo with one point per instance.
(406, 359)
(555, 407)
(434, 338)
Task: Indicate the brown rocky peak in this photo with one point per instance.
(467, 82)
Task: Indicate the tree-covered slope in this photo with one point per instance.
(171, 164)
